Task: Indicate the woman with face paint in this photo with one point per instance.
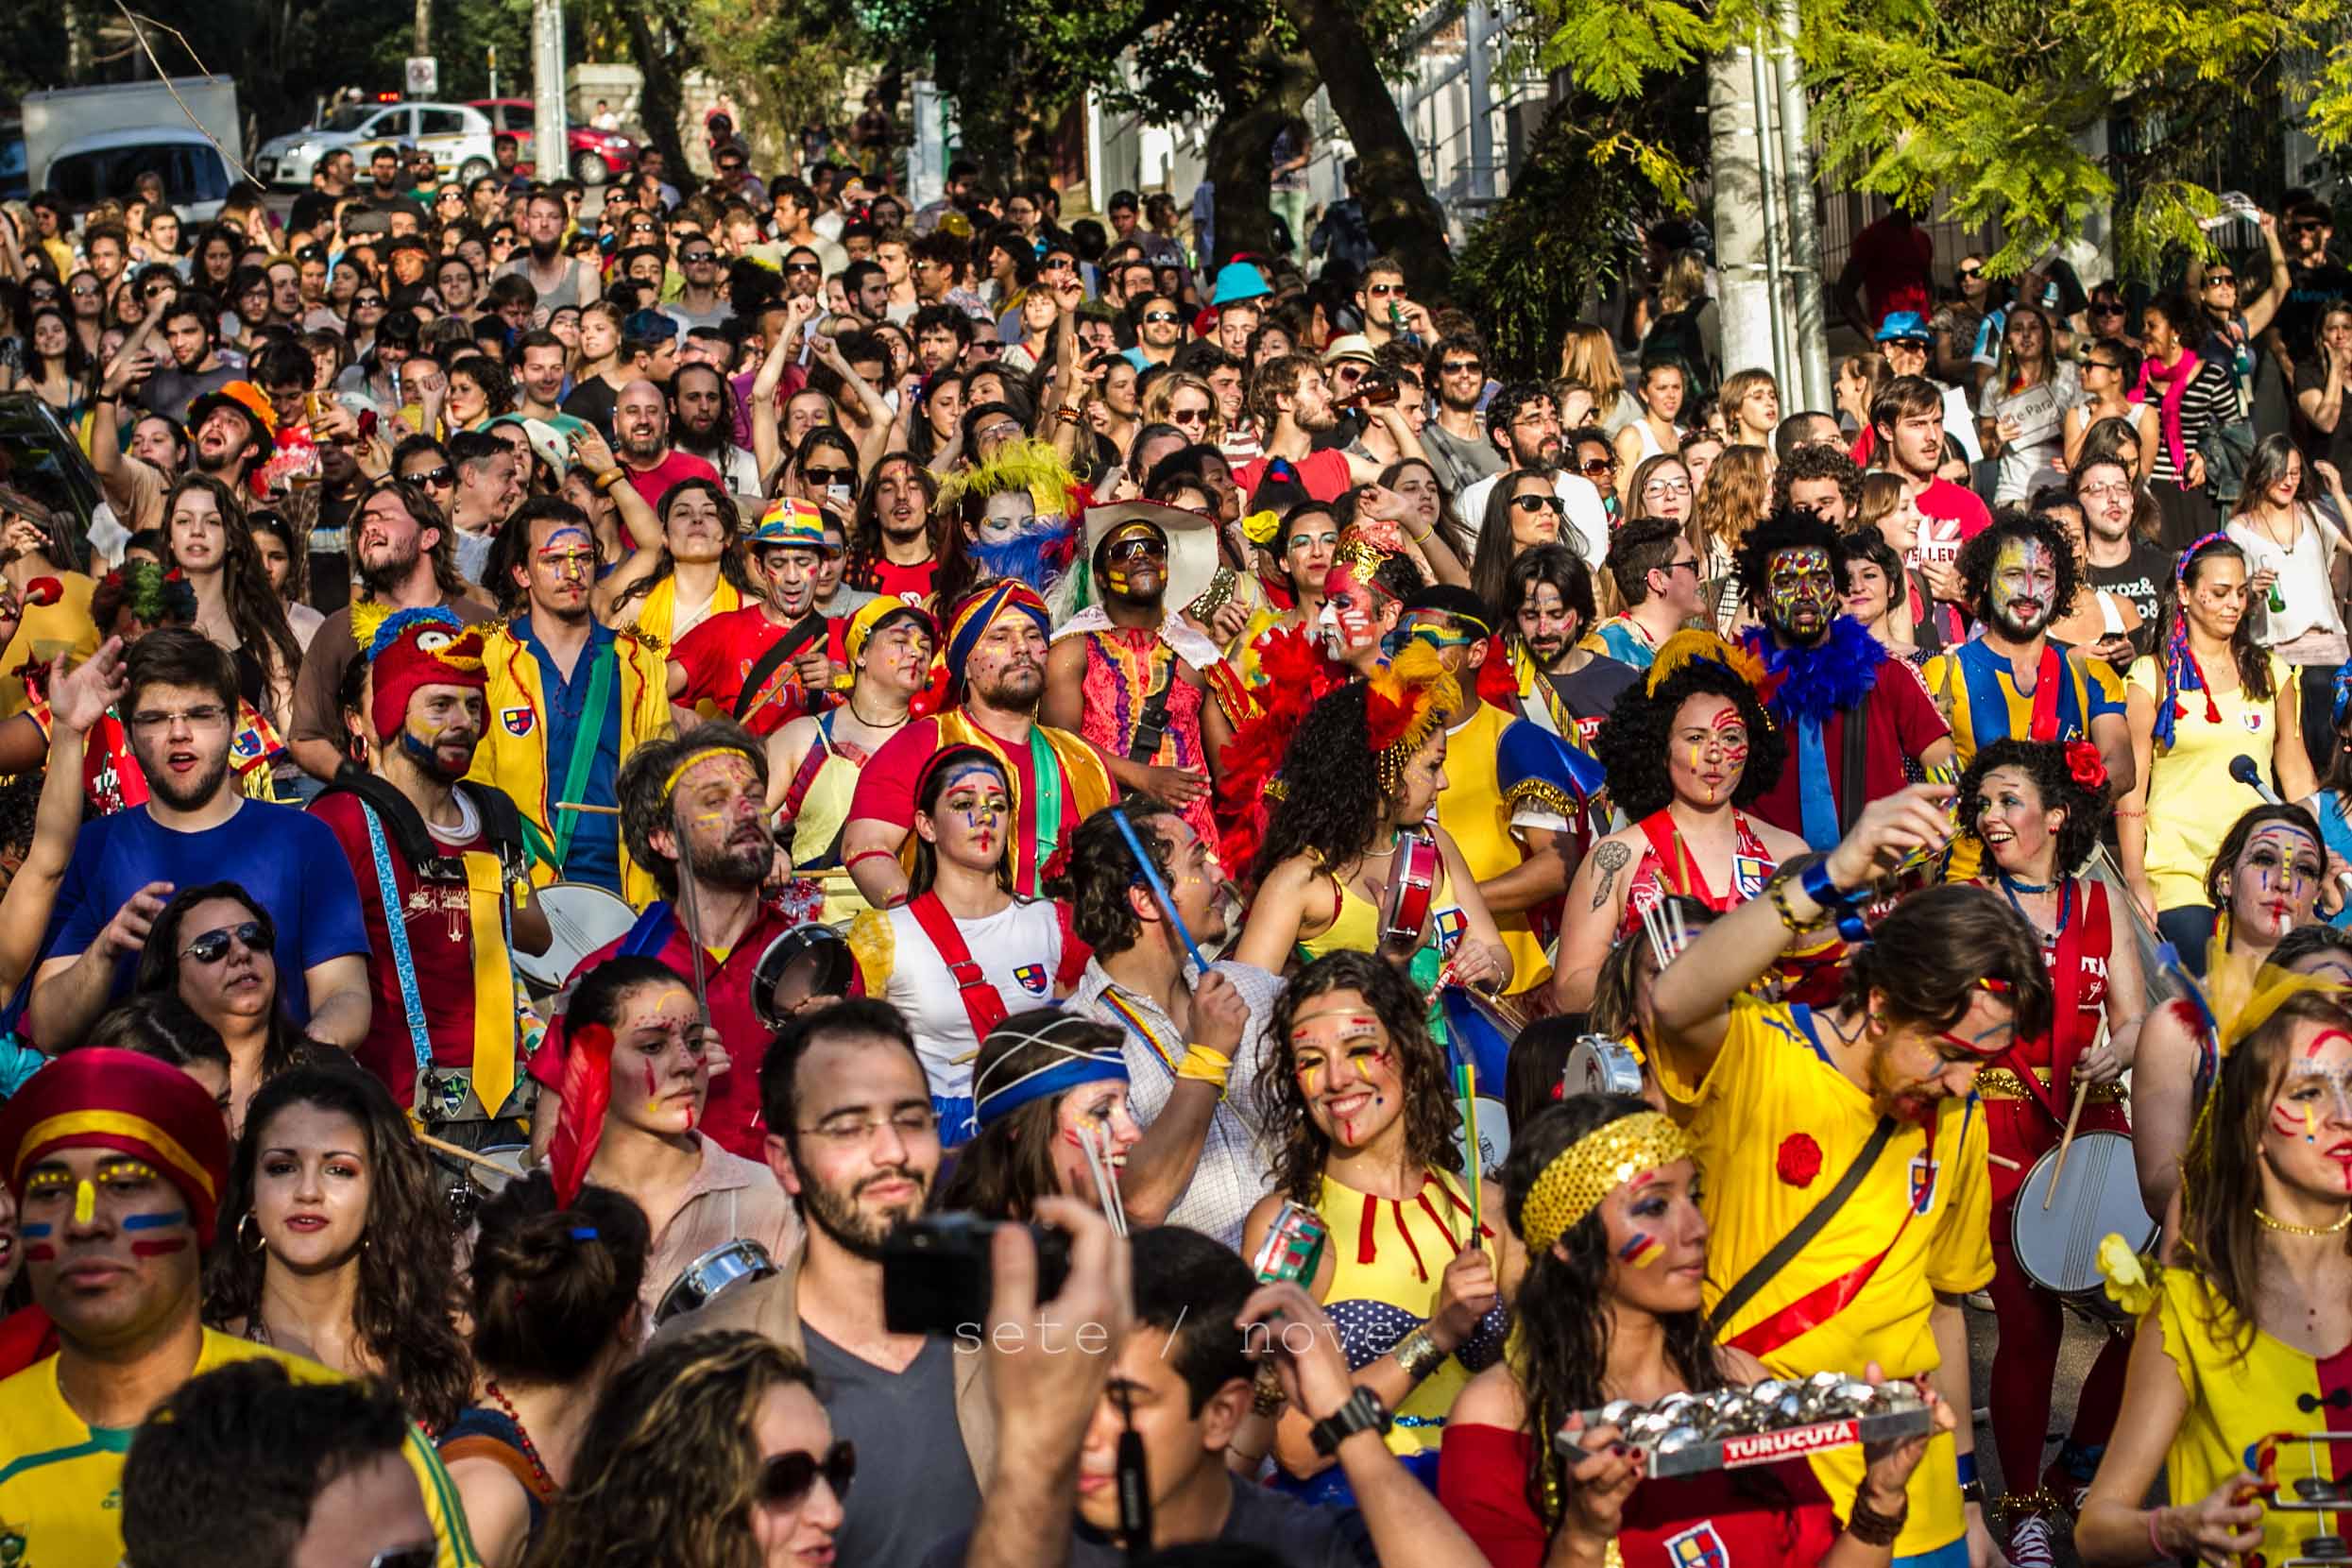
(2036, 808)
(1294, 554)
(2265, 880)
(1687, 749)
(962, 952)
(1604, 1193)
(1416, 1292)
(2332, 803)
(335, 1241)
(2241, 1346)
(1049, 1087)
(2207, 697)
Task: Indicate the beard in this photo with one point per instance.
(1014, 689)
(383, 576)
(706, 438)
(733, 864)
(195, 793)
(2016, 631)
(429, 760)
(649, 446)
(837, 1214)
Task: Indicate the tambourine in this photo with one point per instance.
(810, 959)
(1412, 883)
(718, 1270)
(1599, 1066)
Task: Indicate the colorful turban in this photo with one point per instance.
(132, 1104)
(417, 648)
(978, 612)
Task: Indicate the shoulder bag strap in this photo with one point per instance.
(584, 743)
(802, 632)
(396, 928)
(1152, 722)
(1763, 1271)
(980, 1002)
(1853, 775)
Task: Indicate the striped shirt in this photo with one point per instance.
(2211, 400)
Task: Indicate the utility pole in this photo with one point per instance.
(1809, 334)
(1745, 249)
(1767, 242)
(552, 151)
(421, 44)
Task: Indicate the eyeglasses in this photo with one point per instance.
(1383, 291)
(1161, 316)
(367, 302)
(1136, 550)
(1536, 503)
(84, 293)
(1056, 264)
(910, 1121)
(1000, 430)
(1188, 415)
(2220, 279)
(697, 258)
(2102, 365)
(1461, 367)
(1598, 466)
(803, 266)
(1971, 272)
(2105, 492)
(985, 346)
(1908, 344)
(786, 1479)
(1666, 487)
(204, 716)
(1691, 565)
(214, 946)
(2105, 307)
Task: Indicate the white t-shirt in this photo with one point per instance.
(1587, 530)
(1018, 950)
(2040, 411)
(2302, 582)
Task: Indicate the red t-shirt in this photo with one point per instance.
(1903, 720)
(1898, 263)
(438, 919)
(1950, 514)
(1324, 472)
(720, 654)
(654, 483)
(886, 793)
(731, 1109)
(909, 583)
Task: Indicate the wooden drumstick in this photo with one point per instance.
(584, 806)
(2002, 1161)
(2066, 1142)
(466, 1154)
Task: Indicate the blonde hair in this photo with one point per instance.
(1684, 284)
(1587, 355)
(1738, 489)
(1160, 397)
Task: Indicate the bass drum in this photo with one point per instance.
(582, 917)
(2098, 1194)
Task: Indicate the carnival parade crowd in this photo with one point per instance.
(748, 876)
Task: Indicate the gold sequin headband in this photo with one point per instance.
(1595, 1165)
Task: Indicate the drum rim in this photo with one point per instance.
(756, 1263)
(535, 966)
(2018, 1210)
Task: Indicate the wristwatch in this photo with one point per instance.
(1363, 1412)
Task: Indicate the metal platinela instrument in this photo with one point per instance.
(1599, 1066)
(718, 1270)
(2097, 1193)
(810, 959)
(1767, 1421)
(583, 918)
(1412, 884)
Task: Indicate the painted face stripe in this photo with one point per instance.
(155, 1221)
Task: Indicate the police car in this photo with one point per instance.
(456, 135)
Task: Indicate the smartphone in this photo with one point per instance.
(839, 492)
(937, 1274)
(366, 424)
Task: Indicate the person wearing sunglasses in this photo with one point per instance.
(1523, 433)
(2230, 324)
(2108, 373)
(1159, 331)
(215, 950)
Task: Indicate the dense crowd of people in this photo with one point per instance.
(688, 850)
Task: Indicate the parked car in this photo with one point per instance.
(595, 155)
(89, 142)
(39, 457)
(457, 136)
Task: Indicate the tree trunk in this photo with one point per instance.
(1406, 223)
(1240, 142)
(661, 101)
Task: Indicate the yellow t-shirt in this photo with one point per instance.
(1961, 678)
(2191, 798)
(60, 1479)
(1770, 1085)
(2235, 1402)
(1473, 809)
(46, 631)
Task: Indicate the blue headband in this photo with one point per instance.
(1087, 1067)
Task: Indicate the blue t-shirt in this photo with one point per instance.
(286, 861)
(594, 855)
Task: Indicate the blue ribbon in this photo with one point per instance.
(998, 1103)
(1814, 798)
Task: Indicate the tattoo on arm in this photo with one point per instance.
(1610, 859)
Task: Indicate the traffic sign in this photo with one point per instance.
(424, 76)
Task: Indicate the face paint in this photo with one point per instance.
(571, 553)
(85, 1202)
(1641, 1250)
(38, 1247)
(1801, 592)
(157, 1247)
(1353, 606)
(2024, 585)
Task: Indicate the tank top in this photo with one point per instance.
(1666, 867)
(485, 1432)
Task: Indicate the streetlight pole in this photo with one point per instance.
(551, 145)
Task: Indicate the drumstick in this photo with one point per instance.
(2065, 1143)
(466, 1154)
(1465, 1084)
(584, 806)
(2002, 1161)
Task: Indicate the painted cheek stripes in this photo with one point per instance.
(38, 1249)
(1641, 1250)
(159, 1247)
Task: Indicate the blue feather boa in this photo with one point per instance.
(1829, 676)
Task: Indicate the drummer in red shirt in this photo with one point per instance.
(712, 783)
(768, 663)
(2035, 806)
(448, 854)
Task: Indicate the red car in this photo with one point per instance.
(596, 154)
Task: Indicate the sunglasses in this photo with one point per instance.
(698, 257)
(83, 293)
(2220, 279)
(2102, 365)
(214, 946)
(786, 1479)
(803, 266)
(1536, 503)
(985, 346)
(1597, 464)
(1188, 415)
(367, 302)
(2105, 307)
(442, 475)
(1382, 291)
(1136, 550)
(1161, 316)
(1461, 367)
(830, 476)
(1971, 272)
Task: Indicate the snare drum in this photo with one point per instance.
(718, 1270)
(511, 1156)
(807, 961)
(2097, 1195)
(582, 917)
(1413, 872)
(1599, 1066)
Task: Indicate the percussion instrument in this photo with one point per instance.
(810, 959)
(2096, 1193)
(582, 917)
(1599, 1066)
(1413, 872)
(718, 1270)
(512, 1158)
(1493, 1138)
(1481, 1029)
(1293, 1248)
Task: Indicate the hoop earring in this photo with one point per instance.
(260, 1242)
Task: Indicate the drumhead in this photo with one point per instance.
(728, 1264)
(509, 1155)
(582, 917)
(1599, 1066)
(821, 955)
(2098, 1194)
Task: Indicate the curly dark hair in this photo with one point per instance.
(866, 541)
(2044, 762)
(1978, 555)
(1102, 872)
(1560, 1349)
(1928, 957)
(20, 803)
(1431, 1117)
(1332, 802)
(1818, 460)
(1785, 529)
(1004, 1170)
(404, 1307)
(553, 1286)
(1631, 744)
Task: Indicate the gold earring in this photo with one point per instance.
(259, 1242)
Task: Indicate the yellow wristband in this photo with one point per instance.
(1203, 1066)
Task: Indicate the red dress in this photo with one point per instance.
(1768, 1516)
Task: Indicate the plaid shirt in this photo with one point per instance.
(1232, 1172)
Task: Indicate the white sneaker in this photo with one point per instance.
(2030, 1544)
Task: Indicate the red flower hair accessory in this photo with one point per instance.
(1800, 1160)
(2088, 768)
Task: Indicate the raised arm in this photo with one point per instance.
(2260, 313)
(78, 699)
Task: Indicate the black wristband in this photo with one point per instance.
(1363, 1412)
